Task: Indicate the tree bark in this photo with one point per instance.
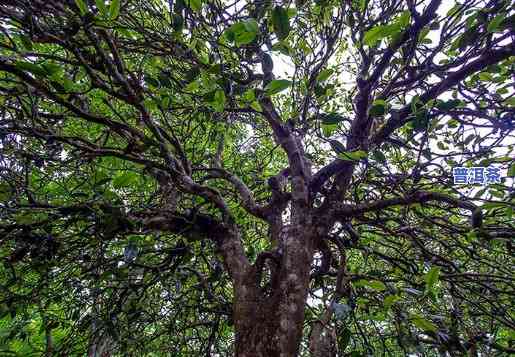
(269, 326)
(322, 341)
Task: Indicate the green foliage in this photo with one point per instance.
(196, 5)
(373, 284)
(449, 104)
(114, 9)
(424, 324)
(353, 155)
(431, 278)
(137, 164)
(242, 33)
(378, 108)
(32, 68)
(277, 85)
(324, 75)
(495, 24)
(83, 8)
(280, 22)
(511, 170)
(377, 33)
(332, 118)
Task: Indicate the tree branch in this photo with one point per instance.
(403, 115)
(417, 197)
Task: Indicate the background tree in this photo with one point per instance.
(263, 178)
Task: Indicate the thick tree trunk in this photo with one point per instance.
(269, 326)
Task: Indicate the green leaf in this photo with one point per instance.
(256, 106)
(495, 24)
(114, 9)
(67, 84)
(377, 33)
(165, 102)
(332, 118)
(495, 193)
(390, 300)
(102, 181)
(468, 38)
(26, 42)
(320, 90)
(421, 120)
(242, 33)
(195, 5)
(244, 38)
(357, 354)
(416, 104)
(377, 285)
(423, 33)
(353, 155)
(249, 95)
(362, 5)
(344, 339)
(151, 80)
(374, 35)
(424, 324)
(395, 38)
(101, 6)
(5, 192)
(219, 100)
(510, 102)
(165, 79)
(485, 76)
(51, 68)
(379, 156)
(324, 75)
(337, 146)
(492, 205)
(453, 123)
(280, 22)
(31, 67)
(378, 108)
(503, 159)
(448, 105)
(83, 8)
(281, 48)
(329, 129)
(277, 85)
(251, 25)
(292, 12)
(404, 19)
(58, 86)
(511, 170)
(453, 10)
(123, 179)
(431, 277)
(419, 114)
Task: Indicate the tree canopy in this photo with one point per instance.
(256, 178)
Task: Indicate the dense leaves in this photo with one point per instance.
(187, 178)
